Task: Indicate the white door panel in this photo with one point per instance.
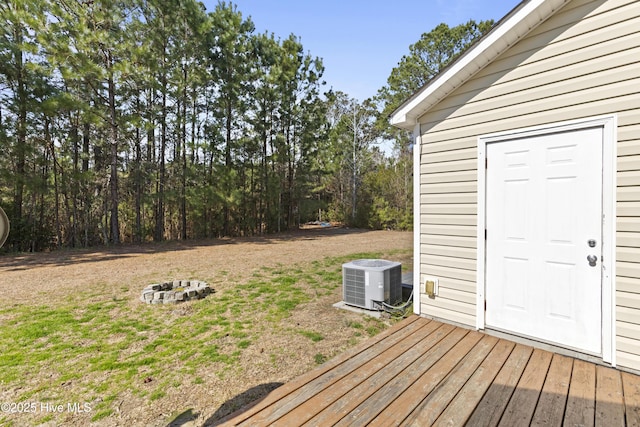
(544, 203)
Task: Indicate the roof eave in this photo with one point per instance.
(512, 28)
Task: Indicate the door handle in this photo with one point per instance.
(592, 260)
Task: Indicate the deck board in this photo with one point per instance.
(581, 405)
(331, 414)
(631, 390)
(609, 402)
(291, 394)
(438, 400)
(371, 375)
(422, 372)
(553, 400)
(492, 406)
(406, 389)
(465, 402)
(522, 405)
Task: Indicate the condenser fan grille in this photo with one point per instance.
(395, 285)
(354, 291)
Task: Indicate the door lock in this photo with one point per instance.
(592, 260)
(591, 243)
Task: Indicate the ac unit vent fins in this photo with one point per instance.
(353, 288)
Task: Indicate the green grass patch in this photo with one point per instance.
(313, 336)
(354, 325)
(101, 414)
(244, 344)
(319, 358)
(374, 326)
(157, 394)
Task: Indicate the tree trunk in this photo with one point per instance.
(264, 197)
(159, 232)
(115, 223)
(75, 139)
(227, 163)
(85, 168)
(21, 142)
(290, 178)
(138, 179)
(354, 177)
(183, 189)
(56, 186)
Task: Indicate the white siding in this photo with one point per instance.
(584, 61)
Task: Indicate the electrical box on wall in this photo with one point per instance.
(430, 286)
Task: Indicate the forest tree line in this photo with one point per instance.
(139, 120)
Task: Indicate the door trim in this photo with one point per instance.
(609, 124)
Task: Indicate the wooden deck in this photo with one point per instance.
(422, 372)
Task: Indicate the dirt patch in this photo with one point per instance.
(35, 280)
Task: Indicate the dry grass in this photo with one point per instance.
(74, 331)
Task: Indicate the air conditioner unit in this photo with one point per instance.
(368, 281)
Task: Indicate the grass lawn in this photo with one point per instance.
(106, 359)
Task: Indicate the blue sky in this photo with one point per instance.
(361, 41)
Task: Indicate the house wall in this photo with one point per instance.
(584, 61)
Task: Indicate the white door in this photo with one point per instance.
(544, 238)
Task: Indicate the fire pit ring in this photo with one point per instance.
(175, 292)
